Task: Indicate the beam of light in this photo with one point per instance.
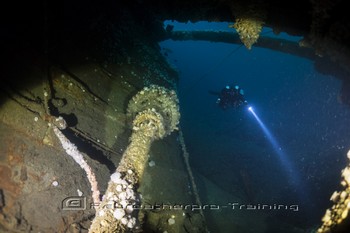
(299, 186)
(287, 165)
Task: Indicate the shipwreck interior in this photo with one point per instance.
(91, 131)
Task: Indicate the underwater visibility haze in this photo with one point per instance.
(114, 119)
(276, 159)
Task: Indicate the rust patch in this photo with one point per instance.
(14, 159)
(6, 182)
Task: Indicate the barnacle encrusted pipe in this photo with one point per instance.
(155, 114)
(334, 218)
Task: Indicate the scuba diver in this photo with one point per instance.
(230, 96)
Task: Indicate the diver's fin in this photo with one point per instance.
(214, 93)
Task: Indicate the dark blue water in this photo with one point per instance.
(233, 158)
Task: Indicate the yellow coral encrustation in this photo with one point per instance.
(161, 100)
(340, 210)
(151, 122)
(248, 30)
(249, 22)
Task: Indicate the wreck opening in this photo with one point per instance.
(72, 70)
(226, 148)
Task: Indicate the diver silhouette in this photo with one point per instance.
(230, 97)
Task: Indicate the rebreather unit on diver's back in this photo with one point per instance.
(230, 97)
